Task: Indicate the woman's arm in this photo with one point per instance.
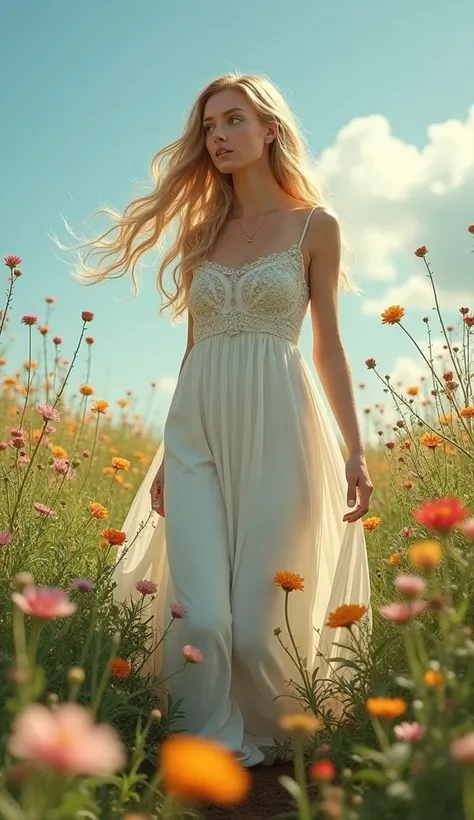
(329, 356)
(189, 342)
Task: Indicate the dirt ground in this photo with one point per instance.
(267, 798)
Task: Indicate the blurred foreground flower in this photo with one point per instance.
(425, 554)
(386, 708)
(120, 668)
(196, 769)
(44, 602)
(441, 515)
(409, 732)
(66, 740)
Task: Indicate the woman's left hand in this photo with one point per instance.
(359, 488)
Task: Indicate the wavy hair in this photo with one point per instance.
(191, 193)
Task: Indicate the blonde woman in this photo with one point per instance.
(249, 480)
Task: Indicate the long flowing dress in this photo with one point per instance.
(254, 484)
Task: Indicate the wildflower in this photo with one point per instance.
(192, 654)
(197, 769)
(178, 611)
(289, 581)
(44, 330)
(469, 321)
(86, 390)
(346, 615)
(90, 340)
(425, 554)
(421, 251)
(467, 528)
(470, 229)
(402, 613)
(462, 749)
(433, 678)
(441, 515)
(5, 538)
(57, 340)
(146, 587)
(12, 261)
(323, 771)
(386, 708)
(413, 390)
(395, 559)
(100, 406)
(409, 732)
(371, 523)
(411, 586)
(44, 602)
(47, 412)
(300, 722)
(114, 537)
(371, 364)
(58, 452)
(120, 668)
(66, 740)
(3, 445)
(122, 403)
(87, 316)
(29, 319)
(120, 463)
(431, 440)
(392, 315)
(85, 454)
(467, 412)
(390, 445)
(98, 510)
(44, 509)
(82, 585)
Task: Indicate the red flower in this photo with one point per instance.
(470, 229)
(463, 310)
(87, 316)
(12, 261)
(469, 320)
(422, 251)
(441, 515)
(371, 363)
(29, 319)
(324, 771)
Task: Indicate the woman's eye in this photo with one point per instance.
(235, 119)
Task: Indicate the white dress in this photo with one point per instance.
(254, 483)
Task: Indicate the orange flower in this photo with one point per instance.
(9, 381)
(100, 406)
(43, 329)
(442, 514)
(122, 402)
(86, 390)
(2, 362)
(98, 511)
(413, 390)
(346, 615)
(197, 769)
(393, 315)
(300, 722)
(421, 251)
(30, 365)
(386, 708)
(118, 478)
(289, 581)
(467, 412)
(120, 668)
(425, 554)
(395, 559)
(114, 537)
(120, 463)
(58, 452)
(371, 523)
(433, 678)
(431, 440)
(126, 485)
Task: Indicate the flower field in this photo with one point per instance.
(85, 733)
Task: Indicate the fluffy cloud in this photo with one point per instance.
(417, 292)
(393, 196)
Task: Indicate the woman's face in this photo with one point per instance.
(235, 137)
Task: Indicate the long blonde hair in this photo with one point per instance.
(189, 190)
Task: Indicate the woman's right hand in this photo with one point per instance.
(157, 491)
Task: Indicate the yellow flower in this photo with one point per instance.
(446, 418)
(289, 581)
(426, 554)
(346, 615)
(431, 440)
(393, 315)
(300, 722)
(467, 412)
(371, 523)
(86, 390)
(98, 510)
(100, 406)
(120, 463)
(433, 678)
(386, 708)
(196, 769)
(58, 452)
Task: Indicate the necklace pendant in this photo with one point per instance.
(248, 238)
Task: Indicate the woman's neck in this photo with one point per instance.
(256, 192)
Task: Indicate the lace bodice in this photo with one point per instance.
(269, 295)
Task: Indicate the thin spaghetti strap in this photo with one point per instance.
(306, 225)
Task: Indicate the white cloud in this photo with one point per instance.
(393, 196)
(416, 292)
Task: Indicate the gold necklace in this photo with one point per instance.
(249, 237)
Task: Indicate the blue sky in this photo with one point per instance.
(91, 90)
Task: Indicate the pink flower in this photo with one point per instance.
(47, 412)
(58, 340)
(87, 316)
(401, 613)
(192, 654)
(23, 460)
(178, 611)
(19, 438)
(62, 465)
(12, 261)
(66, 740)
(29, 319)
(82, 585)
(463, 748)
(468, 528)
(3, 445)
(406, 532)
(409, 732)
(411, 586)
(44, 509)
(146, 587)
(5, 538)
(44, 602)
(50, 429)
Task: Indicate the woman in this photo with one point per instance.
(249, 480)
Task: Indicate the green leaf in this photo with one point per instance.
(374, 776)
